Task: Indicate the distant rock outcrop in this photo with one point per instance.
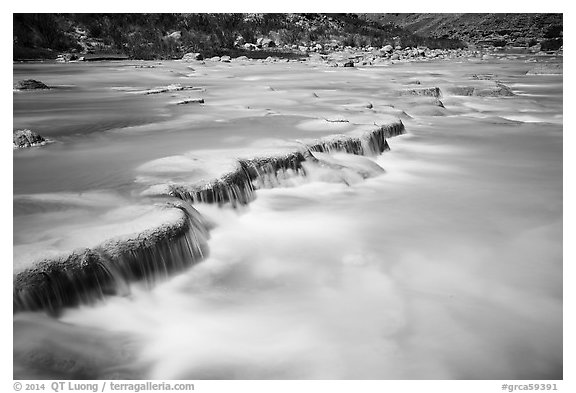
(27, 138)
(30, 84)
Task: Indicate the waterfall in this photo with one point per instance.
(88, 274)
(238, 186)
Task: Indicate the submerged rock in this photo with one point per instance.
(483, 77)
(30, 84)
(27, 138)
(546, 69)
(167, 89)
(497, 90)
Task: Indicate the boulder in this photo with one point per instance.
(225, 59)
(175, 35)
(265, 43)
(30, 84)
(388, 48)
(192, 56)
(349, 63)
(239, 41)
(27, 138)
(500, 90)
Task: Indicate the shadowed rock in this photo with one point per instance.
(30, 84)
(27, 138)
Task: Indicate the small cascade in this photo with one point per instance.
(238, 186)
(375, 142)
(234, 187)
(265, 171)
(86, 275)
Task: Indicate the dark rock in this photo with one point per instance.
(30, 84)
(550, 45)
(265, 43)
(191, 101)
(349, 64)
(27, 138)
(425, 92)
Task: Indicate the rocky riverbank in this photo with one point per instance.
(368, 56)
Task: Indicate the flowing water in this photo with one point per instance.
(438, 259)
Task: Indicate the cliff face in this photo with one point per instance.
(497, 29)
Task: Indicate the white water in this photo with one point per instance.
(448, 265)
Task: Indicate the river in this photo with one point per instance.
(438, 259)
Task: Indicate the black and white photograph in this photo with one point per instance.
(287, 197)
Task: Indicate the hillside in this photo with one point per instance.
(154, 36)
(489, 29)
(149, 36)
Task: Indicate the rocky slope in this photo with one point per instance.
(489, 29)
(149, 36)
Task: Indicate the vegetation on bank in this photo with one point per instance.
(154, 36)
